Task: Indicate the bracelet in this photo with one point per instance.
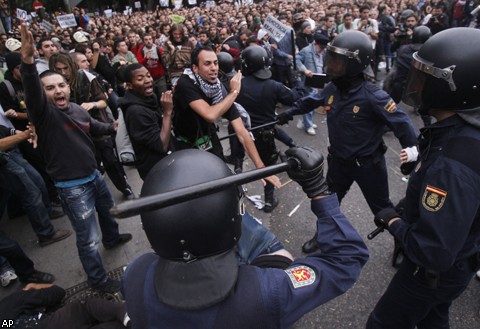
(95, 106)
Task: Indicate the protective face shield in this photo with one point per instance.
(419, 73)
(337, 60)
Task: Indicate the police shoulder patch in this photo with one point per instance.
(391, 106)
(301, 276)
(433, 198)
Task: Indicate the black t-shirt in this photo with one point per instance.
(187, 123)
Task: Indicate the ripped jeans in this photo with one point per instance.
(80, 203)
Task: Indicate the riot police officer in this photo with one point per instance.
(194, 279)
(404, 59)
(259, 96)
(357, 113)
(440, 229)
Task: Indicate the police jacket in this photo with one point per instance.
(441, 225)
(263, 297)
(356, 119)
(260, 97)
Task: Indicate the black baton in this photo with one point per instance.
(135, 207)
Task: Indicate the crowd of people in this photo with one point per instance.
(169, 75)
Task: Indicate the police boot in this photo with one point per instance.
(271, 202)
(311, 245)
(398, 255)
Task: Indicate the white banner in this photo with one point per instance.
(163, 3)
(108, 13)
(138, 5)
(66, 20)
(275, 28)
(192, 2)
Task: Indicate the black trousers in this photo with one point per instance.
(15, 255)
(104, 154)
(94, 313)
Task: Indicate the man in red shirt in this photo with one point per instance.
(150, 56)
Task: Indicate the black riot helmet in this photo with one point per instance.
(421, 34)
(225, 62)
(348, 54)
(445, 72)
(255, 62)
(197, 228)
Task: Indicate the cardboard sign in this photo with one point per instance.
(22, 14)
(46, 26)
(66, 21)
(275, 28)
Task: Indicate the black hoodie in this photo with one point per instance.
(144, 123)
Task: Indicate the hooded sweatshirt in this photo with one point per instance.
(143, 119)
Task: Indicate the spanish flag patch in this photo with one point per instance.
(391, 106)
(433, 198)
(301, 276)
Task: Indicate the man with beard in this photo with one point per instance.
(356, 108)
(63, 130)
(177, 51)
(200, 99)
(148, 128)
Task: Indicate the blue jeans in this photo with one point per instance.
(80, 203)
(308, 117)
(19, 178)
(255, 240)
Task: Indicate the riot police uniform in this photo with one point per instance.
(357, 113)
(194, 281)
(259, 96)
(440, 230)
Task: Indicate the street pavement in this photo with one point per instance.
(350, 310)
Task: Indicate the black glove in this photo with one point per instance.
(284, 117)
(384, 216)
(309, 173)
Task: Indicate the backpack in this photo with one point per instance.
(125, 153)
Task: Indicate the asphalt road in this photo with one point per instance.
(347, 311)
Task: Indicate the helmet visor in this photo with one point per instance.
(419, 72)
(412, 95)
(336, 65)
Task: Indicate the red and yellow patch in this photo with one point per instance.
(433, 198)
(301, 276)
(391, 106)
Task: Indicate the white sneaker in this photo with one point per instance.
(311, 131)
(7, 278)
(314, 126)
(300, 124)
